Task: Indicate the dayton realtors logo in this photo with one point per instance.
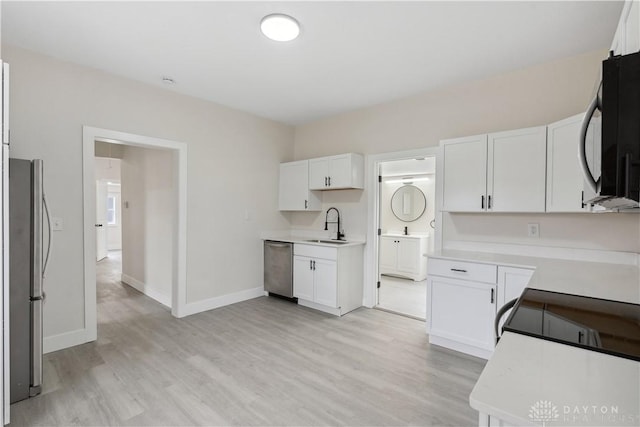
(543, 411)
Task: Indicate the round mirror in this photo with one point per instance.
(408, 203)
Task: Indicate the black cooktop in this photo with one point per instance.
(606, 326)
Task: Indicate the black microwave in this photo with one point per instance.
(618, 100)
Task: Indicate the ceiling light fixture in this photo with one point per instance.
(279, 27)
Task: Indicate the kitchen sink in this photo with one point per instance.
(332, 242)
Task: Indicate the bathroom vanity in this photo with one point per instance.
(404, 256)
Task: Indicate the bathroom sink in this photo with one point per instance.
(332, 242)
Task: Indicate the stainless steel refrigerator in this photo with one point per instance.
(27, 263)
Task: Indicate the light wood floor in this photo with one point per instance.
(260, 362)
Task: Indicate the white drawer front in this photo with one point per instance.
(314, 251)
(463, 270)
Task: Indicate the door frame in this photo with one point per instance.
(371, 272)
(179, 280)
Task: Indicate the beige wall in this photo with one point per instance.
(232, 168)
(529, 97)
(147, 219)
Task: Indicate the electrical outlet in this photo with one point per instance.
(533, 230)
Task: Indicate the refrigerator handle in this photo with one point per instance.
(46, 210)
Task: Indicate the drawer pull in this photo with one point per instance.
(458, 270)
(493, 295)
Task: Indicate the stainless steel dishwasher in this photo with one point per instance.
(278, 268)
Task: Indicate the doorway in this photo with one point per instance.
(404, 221)
(406, 213)
(173, 229)
(108, 201)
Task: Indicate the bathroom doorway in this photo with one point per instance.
(406, 223)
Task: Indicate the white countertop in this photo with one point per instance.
(524, 371)
(580, 384)
(308, 240)
(617, 282)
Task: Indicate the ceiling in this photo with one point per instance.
(349, 54)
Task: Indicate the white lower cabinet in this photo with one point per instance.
(463, 313)
(404, 256)
(462, 300)
(327, 278)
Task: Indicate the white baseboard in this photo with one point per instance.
(320, 307)
(211, 303)
(572, 254)
(65, 340)
(136, 284)
(462, 348)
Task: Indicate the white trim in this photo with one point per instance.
(572, 254)
(65, 340)
(142, 287)
(320, 307)
(179, 280)
(371, 250)
(221, 301)
(460, 347)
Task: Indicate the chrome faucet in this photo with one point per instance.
(339, 235)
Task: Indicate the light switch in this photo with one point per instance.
(56, 224)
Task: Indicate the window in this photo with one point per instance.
(111, 211)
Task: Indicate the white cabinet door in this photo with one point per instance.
(409, 255)
(318, 173)
(565, 182)
(293, 189)
(627, 36)
(325, 282)
(303, 277)
(511, 283)
(340, 171)
(388, 253)
(517, 170)
(337, 172)
(462, 311)
(465, 174)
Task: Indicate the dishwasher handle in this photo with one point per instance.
(274, 244)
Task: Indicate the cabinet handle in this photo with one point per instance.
(493, 295)
(310, 265)
(306, 204)
(314, 265)
(489, 202)
(582, 200)
(325, 181)
(458, 270)
(482, 202)
(580, 335)
(329, 181)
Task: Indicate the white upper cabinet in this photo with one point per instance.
(337, 172)
(565, 182)
(465, 174)
(499, 172)
(516, 170)
(294, 194)
(627, 36)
